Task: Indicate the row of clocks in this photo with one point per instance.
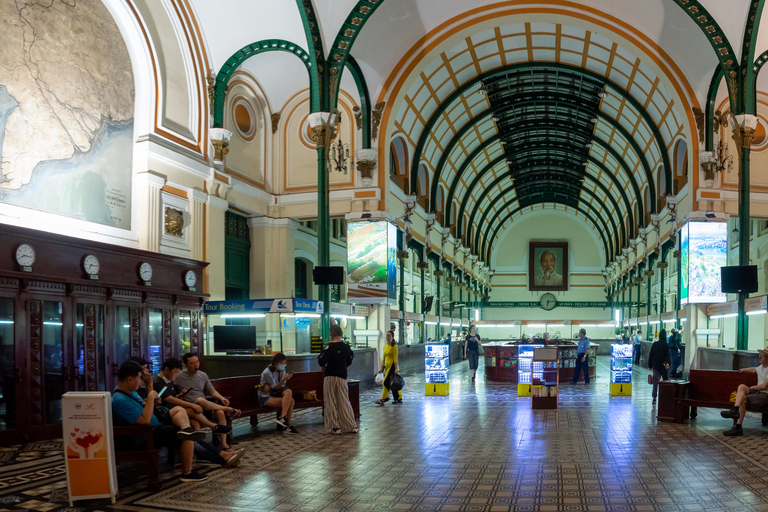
(25, 257)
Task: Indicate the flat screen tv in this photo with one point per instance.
(737, 279)
(234, 338)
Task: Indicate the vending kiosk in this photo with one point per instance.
(436, 363)
(621, 369)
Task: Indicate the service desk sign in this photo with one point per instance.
(88, 445)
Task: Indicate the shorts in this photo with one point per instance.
(756, 400)
(263, 400)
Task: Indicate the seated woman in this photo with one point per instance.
(274, 392)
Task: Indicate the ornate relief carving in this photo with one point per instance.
(174, 222)
(211, 90)
(275, 121)
(700, 124)
(358, 116)
(376, 114)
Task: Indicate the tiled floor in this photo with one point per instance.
(480, 449)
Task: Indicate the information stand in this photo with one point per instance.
(544, 389)
(89, 451)
(436, 363)
(621, 369)
(525, 372)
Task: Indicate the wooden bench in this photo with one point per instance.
(711, 389)
(242, 393)
(149, 454)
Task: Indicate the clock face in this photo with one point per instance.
(145, 272)
(190, 279)
(91, 265)
(548, 301)
(25, 255)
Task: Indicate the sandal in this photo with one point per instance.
(236, 413)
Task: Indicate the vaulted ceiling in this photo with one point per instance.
(545, 115)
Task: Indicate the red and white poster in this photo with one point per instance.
(88, 445)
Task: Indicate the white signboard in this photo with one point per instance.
(89, 450)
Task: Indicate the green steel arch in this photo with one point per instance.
(435, 116)
(719, 42)
(487, 113)
(345, 39)
(614, 245)
(504, 192)
(591, 159)
(251, 50)
(496, 137)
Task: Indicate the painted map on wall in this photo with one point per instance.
(66, 111)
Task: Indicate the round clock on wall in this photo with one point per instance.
(548, 301)
(145, 272)
(25, 256)
(91, 265)
(190, 279)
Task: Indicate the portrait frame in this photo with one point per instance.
(535, 251)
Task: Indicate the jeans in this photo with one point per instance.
(579, 366)
(636, 350)
(206, 451)
(675, 361)
(657, 376)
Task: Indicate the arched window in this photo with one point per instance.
(440, 205)
(680, 166)
(300, 267)
(423, 191)
(398, 163)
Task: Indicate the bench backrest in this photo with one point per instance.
(717, 385)
(242, 390)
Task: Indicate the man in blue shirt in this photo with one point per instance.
(129, 409)
(582, 357)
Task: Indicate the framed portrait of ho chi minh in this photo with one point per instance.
(548, 266)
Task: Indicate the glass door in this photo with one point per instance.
(94, 364)
(10, 373)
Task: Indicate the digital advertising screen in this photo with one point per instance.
(703, 250)
(392, 263)
(367, 262)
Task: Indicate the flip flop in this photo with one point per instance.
(236, 413)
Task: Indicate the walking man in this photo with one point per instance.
(582, 357)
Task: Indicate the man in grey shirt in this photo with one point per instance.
(197, 386)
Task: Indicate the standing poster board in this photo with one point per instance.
(89, 451)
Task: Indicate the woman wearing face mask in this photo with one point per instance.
(275, 393)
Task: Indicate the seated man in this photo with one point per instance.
(142, 391)
(128, 409)
(195, 384)
(754, 397)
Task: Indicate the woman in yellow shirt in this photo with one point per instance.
(389, 366)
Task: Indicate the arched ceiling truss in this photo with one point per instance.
(537, 113)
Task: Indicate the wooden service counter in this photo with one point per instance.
(501, 361)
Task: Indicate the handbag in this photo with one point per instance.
(650, 379)
(396, 382)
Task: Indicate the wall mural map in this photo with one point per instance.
(66, 111)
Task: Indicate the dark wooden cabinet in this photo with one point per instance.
(61, 330)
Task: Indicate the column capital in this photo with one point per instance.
(220, 140)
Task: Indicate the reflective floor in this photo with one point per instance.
(482, 449)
